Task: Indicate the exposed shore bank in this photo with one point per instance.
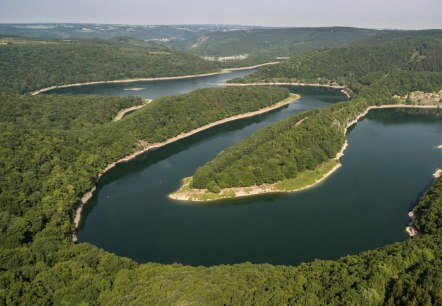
(185, 193)
(150, 146)
(341, 88)
(189, 76)
(124, 111)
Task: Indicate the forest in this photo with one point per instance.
(30, 64)
(53, 146)
(373, 74)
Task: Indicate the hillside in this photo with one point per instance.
(50, 156)
(53, 147)
(29, 64)
(285, 41)
(169, 34)
(402, 64)
(285, 150)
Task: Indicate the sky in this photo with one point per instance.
(392, 14)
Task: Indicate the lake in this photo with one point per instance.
(386, 168)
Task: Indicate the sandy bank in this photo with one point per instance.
(124, 111)
(411, 229)
(250, 67)
(189, 76)
(343, 89)
(150, 146)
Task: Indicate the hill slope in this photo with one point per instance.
(28, 64)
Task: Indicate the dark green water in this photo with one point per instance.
(388, 164)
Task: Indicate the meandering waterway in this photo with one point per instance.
(390, 160)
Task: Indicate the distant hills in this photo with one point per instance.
(30, 64)
(159, 33)
(231, 45)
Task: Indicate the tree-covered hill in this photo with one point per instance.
(374, 73)
(53, 147)
(286, 41)
(50, 156)
(412, 60)
(170, 34)
(48, 161)
(27, 64)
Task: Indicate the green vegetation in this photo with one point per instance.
(307, 177)
(282, 150)
(52, 147)
(50, 155)
(380, 70)
(28, 64)
(173, 35)
(171, 116)
(374, 74)
(266, 45)
(279, 41)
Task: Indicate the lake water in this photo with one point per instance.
(386, 168)
(152, 89)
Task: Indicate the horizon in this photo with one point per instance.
(216, 24)
(374, 14)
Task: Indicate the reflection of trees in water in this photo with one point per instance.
(404, 115)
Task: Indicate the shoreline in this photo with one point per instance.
(147, 147)
(120, 115)
(237, 192)
(250, 67)
(188, 76)
(342, 88)
(411, 229)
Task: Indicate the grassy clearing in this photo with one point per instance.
(302, 181)
(307, 178)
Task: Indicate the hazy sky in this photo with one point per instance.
(405, 14)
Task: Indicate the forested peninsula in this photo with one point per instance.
(299, 151)
(53, 147)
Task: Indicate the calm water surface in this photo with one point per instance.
(153, 89)
(388, 164)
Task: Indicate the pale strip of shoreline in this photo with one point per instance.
(87, 196)
(251, 67)
(411, 229)
(271, 188)
(256, 189)
(342, 88)
(124, 111)
(189, 76)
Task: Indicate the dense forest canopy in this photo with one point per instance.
(28, 64)
(375, 73)
(50, 156)
(398, 66)
(52, 147)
